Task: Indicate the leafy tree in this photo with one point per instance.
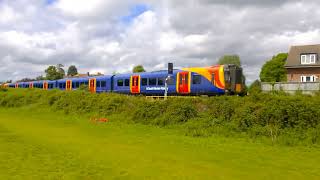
(26, 80)
(52, 73)
(39, 78)
(273, 70)
(9, 81)
(138, 69)
(72, 70)
(230, 59)
(60, 69)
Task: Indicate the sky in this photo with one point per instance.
(113, 36)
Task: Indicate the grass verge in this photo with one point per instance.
(36, 143)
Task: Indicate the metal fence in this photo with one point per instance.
(292, 87)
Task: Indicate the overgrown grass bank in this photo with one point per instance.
(36, 143)
(275, 118)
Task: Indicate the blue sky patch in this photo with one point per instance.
(135, 11)
(50, 1)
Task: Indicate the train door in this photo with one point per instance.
(16, 85)
(68, 85)
(92, 85)
(183, 82)
(31, 85)
(135, 84)
(45, 85)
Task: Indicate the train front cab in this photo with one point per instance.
(234, 79)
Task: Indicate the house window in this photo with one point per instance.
(308, 58)
(312, 58)
(312, 78)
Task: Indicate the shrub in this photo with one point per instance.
(279, 117)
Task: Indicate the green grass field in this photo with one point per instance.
(38, 144)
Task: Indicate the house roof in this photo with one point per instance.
(293, 60)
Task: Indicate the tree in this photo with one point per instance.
(60, 69)
(138, 69)
(26, 80)
(230, 59)
(39, 78)
(52, 73)
(273, 70)
(72, 70)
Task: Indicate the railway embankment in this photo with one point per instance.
(276, 118)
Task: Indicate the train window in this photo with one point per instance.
(152, 81)
(144, 82)
(77, 84)
(103, 84)
(238, 76)
(126, 82)
(60, 85)
(86, 83)
(213, 79)
(41, 86)
(73, 85)
(63, 85)
(171, 81)
(161, 81)
(196, 79)
(98, 84)
(120, 82)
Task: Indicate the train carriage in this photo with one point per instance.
(100, 84)
(95, 84)
(121, 84)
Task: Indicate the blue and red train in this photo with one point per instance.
(213, 80)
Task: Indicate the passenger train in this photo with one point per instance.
(213, 80)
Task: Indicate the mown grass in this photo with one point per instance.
(36, 143)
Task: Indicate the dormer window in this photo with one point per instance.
(308, 58)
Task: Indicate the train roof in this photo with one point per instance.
(147, 74)
(86, 78)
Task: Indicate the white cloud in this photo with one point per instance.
(7, 15)
(93, 36)
(80, 7)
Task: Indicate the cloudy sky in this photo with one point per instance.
(113, 36)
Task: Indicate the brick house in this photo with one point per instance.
(303, 64)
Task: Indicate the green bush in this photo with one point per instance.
(278, 117)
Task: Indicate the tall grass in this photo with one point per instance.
(278, 117)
